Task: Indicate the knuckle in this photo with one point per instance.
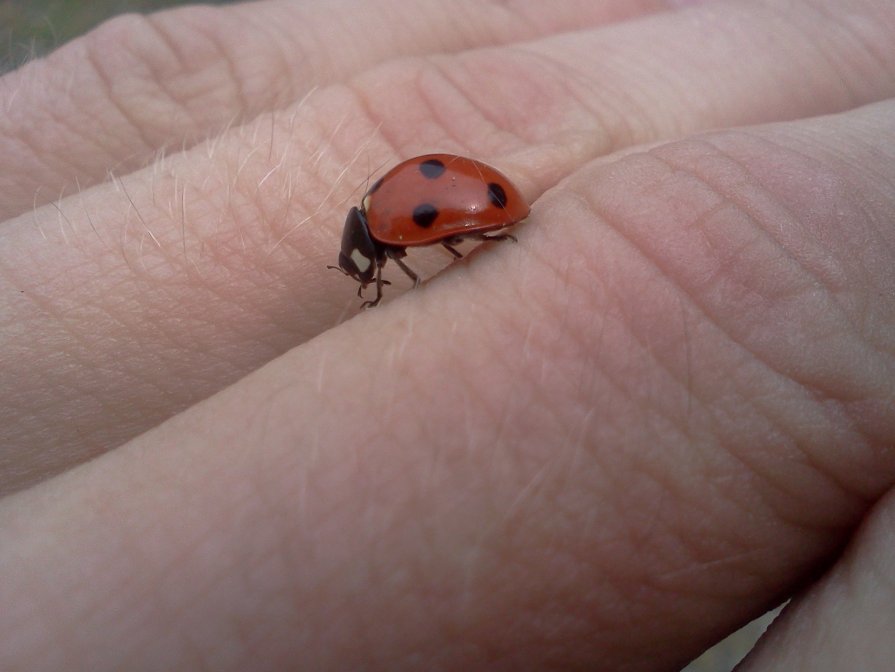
(693, 274)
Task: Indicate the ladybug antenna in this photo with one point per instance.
(370, 174)
(367, 183)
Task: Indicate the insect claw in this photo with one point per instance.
(370, 304)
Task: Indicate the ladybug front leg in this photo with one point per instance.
(360, 290)
(379, 283)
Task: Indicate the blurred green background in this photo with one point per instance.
(34, 27)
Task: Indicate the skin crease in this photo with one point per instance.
(665, 409)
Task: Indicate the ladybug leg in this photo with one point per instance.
(379, 283)
(449, 246)
(409, 271)
(499, 236)
(397, 254)
(363, 287)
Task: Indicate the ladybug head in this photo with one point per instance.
(359, 254)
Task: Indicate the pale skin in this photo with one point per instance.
(666, 408)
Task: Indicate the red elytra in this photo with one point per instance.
(435, 198)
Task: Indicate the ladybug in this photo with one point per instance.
(435, 198)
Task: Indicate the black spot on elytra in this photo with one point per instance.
(424, 214)
(432, 169)
(497, 195)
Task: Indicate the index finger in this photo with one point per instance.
(162, 288)
(111, 100)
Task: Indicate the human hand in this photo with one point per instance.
(602, 447)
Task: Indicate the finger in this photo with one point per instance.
(138, 85)
(663, 410)
(135, 300)
(846, 617)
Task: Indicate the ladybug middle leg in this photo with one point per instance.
(398, 253)
(449, 243)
